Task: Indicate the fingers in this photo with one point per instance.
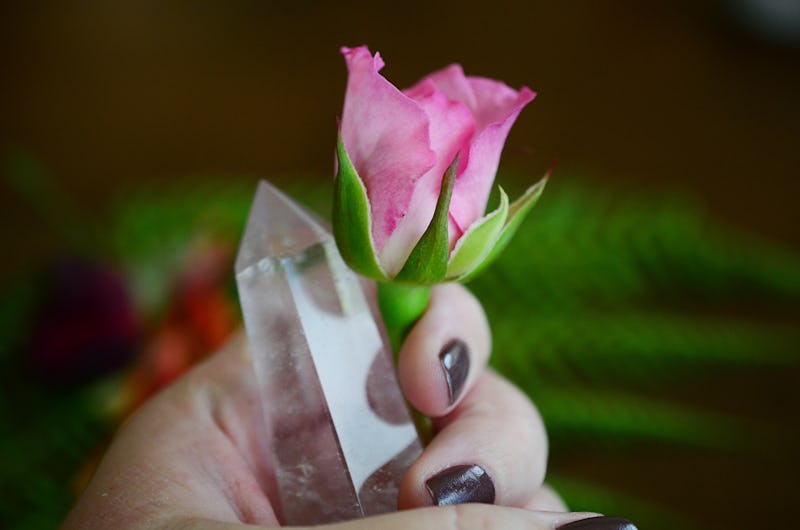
(491, 448)
(461, 517)
(445, 351)
(464, 517)
(546, 499)
(192, 449)
(491, 445)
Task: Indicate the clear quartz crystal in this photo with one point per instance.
(340, 434)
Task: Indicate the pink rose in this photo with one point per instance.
(398, 212)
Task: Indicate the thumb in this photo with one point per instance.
(455, 517)
(464, 517)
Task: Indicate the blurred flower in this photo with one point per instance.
(415, 169)
(198, 319)
(86, 325)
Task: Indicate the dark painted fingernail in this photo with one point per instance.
(600, 523)
(455, 363)
(461, 484)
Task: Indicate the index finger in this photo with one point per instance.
(445, 351)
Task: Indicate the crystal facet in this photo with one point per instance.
(341, 437)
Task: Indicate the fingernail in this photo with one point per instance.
(600, 523)
(454, 359)
(460, 484)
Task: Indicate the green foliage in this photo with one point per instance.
(46, 433)
(153, 230)
(589, 496)
(641, 286)
(583, 417)
(603, 303)
(599, 306)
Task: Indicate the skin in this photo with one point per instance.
(190, 458)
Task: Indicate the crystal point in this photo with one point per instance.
(340, 436)
(276, 227)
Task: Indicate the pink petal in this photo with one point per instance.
(496, 101)
(489, 101)
(452, 82)
(471, 190)
(451, 128)
(494, 106)
(386, 136)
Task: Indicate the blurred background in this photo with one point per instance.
(656, 284)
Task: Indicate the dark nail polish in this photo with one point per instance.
(455, 363)
(600, 523)
(461, 484)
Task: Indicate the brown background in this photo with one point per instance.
(638, 95)
(641, 93)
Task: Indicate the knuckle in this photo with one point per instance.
(471, 517)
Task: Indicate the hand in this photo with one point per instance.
(191, 457)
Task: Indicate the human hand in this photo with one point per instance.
(192, 457)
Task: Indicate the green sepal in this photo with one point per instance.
(478, 241)
(352, 221)
(516, 214)
(427, 263)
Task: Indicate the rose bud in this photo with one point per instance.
(415, 169)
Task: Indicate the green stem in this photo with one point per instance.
(401, 307)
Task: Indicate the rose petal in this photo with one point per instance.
(450, 80)
(489, 101)
(451, 127)
(494, 107)
(386, 136)
(472, 187)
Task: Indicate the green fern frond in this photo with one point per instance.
(583, 416)
(584, 246)
(631, 344)
(595, 287)
(583, 495)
